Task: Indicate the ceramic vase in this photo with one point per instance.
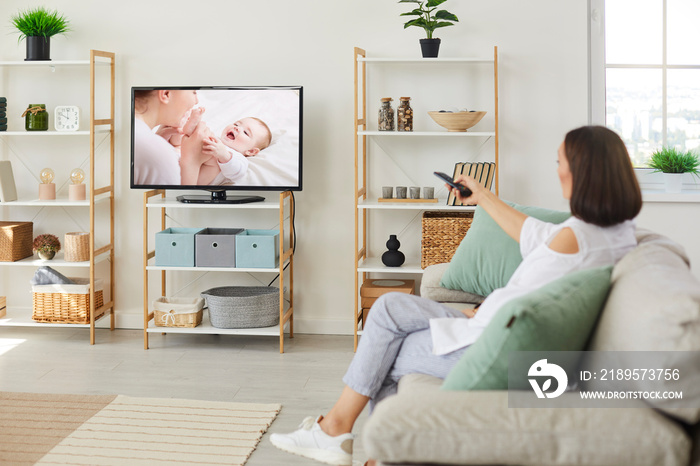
(393, 257)
(46, 255)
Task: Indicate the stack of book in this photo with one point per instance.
(483, 172)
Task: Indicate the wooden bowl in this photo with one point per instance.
(457, 121)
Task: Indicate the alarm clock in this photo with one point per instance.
(66, 118)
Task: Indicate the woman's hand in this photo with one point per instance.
(191, 154)
(171, 134)
(476, 188)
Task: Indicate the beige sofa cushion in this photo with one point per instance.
(478, 428)
(430, 287)
(654, 305)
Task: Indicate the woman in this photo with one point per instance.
(408, 334)
(155, 161)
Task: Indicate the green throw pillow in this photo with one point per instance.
(487, 257)
(557, 317)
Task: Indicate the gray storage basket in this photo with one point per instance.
(243, 306)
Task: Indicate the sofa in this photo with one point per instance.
(653, 305)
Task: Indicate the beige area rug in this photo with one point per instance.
(87, 429)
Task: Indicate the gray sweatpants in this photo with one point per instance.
(396, 341)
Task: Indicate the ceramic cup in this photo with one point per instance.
(387, 192)
(428, 192)
(414, 192)
(401, 192)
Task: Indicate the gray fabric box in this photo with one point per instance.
(216, 247)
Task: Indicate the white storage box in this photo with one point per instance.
(178, 312)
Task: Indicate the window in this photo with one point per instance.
(645, 73)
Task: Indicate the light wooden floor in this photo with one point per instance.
(306, 379)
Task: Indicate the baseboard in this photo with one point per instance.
(305, 326)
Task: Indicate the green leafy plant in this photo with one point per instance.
(46, 243)
(427, 17)
(40, 22)
(672, 160)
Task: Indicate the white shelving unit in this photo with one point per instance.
(365, 264)
(20, 316)
(156, 200)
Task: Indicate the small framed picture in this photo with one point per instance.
(8, 190)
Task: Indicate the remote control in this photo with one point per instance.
(463, 190)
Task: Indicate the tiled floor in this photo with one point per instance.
(306, 379)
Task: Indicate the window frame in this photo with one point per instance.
(597, 68)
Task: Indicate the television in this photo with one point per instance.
(218, 139)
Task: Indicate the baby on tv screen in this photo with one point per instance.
(216, 138)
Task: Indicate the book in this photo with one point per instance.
(479, 171)
(490, 175)
(466, 170)
(8, 190)
(451, 198)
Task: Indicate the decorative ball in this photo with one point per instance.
(46, 175)
(77, 176)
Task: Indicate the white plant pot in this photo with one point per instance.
(673, 182)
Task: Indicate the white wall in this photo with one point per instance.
(543, 94)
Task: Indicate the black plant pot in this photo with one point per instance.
(430, 47)
(38, 48)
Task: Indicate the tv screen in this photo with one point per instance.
(216, 138)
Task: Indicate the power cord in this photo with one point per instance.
(294, 237)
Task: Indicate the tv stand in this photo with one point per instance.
(218, 197)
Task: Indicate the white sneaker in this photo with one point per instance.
(312, 442)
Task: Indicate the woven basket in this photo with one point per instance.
(15, 240)
(178, 312)
(67, 304)
(441, 234)
(77, 246)
(243, 306)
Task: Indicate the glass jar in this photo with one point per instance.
(36, 118)
(386, 115)
(404, 115)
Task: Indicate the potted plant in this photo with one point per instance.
(46, 246)
(673, 163)
(37, 25)
(429, 20)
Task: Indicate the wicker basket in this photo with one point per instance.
(67, 304)
(15, 240)
(441, 235)
(77, 246)
(178, 312)
(243, 306)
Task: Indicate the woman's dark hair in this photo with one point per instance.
(141, 99)
(605, 190)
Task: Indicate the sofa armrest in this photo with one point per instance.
(430, 287)
(426, 425)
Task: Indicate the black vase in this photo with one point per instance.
(430, 47)
(393, 257)
(38, 48)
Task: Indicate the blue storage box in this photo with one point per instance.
(258, 249)
(175, 247)
(216, 247)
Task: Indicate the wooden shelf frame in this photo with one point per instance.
(364, 264)
(94, 196)
(155, 199)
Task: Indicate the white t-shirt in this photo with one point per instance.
(156, 162)
(233, 170)
(597, 247)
